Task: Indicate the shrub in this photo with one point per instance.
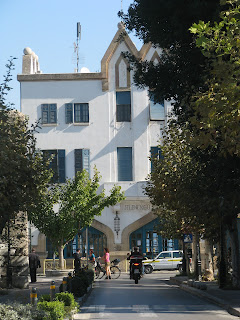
(90, 276)
(68, 299)
(14, 311)
(55, 309)
(44, 297)
(81, 282)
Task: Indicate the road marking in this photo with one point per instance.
(144, 311)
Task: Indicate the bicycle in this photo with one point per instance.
(101, 272)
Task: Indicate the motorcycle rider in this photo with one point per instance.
(135, 253)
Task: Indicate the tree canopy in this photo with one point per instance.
(64, 209)
(23, 172)
(217, 112)
(182, 69)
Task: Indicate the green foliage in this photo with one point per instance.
(16, 311)
(44, 297)
(193, 190)
(81, 282)
(23, 174)
(68, 299)
(54, 309)
(217, 114)
(78, 201)
(182, 69)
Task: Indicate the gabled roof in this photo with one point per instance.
(120, 36)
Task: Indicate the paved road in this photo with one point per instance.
(152, 297)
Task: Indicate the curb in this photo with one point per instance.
(206, 296)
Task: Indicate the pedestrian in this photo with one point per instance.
(34, 263)
(106, 258)
(92, 258)
(77, 261)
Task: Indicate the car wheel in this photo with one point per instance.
(148, 269)
(180, 268)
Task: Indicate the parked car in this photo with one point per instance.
(165, 260)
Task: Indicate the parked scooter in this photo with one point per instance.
(136, 268)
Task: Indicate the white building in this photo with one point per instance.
(101, 119)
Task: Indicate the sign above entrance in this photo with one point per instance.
(135, 206)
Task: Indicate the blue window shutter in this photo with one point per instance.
(69, 113)
(78, 160)
(124, 160)
(86, 160)
(61, 166)
(53, 113)
(45, 113)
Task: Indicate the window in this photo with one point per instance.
(123, 101)
(156, 153)
(177, 254)
(82, 160)
(79, 112)
(57, 164)
(124, 161)
(157, 111)
(49, 113)
(164, 255)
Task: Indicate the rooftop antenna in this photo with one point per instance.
(121, 5)
(76, 46)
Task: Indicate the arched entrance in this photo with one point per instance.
(97, 240)
(149, 242)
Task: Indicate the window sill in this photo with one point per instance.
(49, 124)
(81, 123)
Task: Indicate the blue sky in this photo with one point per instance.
(48, 27)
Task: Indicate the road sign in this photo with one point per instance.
(187, 238)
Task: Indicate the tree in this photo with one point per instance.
(65, 209)
(199, 192)
(23, 172)
(217, 114)
(182, 69)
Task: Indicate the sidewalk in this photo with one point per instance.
(23, 295)
(227, 299)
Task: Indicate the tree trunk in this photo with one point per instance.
(60, 255)
(235, 256)
(195, 256)
(222, 271)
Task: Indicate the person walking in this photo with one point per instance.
(106, 258)
(34, 263)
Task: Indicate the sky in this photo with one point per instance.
(48, 27)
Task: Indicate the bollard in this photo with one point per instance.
(64, 284)
(33, 297)
(52, 291)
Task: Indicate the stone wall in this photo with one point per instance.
(18, 236)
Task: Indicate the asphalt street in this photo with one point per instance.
(152, 297)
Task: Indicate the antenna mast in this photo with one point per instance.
(78, 38)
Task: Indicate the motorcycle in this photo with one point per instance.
(136, 268)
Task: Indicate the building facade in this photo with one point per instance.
(103, 120)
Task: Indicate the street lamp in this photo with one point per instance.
(117, 223)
